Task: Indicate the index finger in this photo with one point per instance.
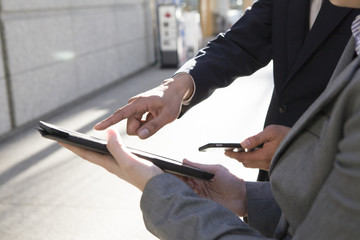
(125, 112)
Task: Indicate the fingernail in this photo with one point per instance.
(245, 144)
(144, 133)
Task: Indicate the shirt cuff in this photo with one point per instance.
(187, 100)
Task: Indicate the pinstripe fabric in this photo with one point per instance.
(355, 28)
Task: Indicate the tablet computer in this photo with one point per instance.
(56, 133)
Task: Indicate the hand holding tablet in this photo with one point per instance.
(56, 133)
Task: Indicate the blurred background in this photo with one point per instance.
(73, 63)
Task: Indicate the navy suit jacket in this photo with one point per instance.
(276, 30)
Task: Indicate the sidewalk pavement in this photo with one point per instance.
(46, 192)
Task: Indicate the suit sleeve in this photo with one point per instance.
(171, 210)
(335, 213)
(240, 51)
(263, 211)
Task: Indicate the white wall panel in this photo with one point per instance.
(5, 125)
(43, 90)
(94, 30)
(61, 50)
(130, 23)
(37, 40)
(25, 5)
(90, 3)
(99, 69)
(5, 121)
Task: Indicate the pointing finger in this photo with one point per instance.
(122, 113)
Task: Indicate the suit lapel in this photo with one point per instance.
(322, 28)
(345, 60)
(296, 28)
(337, 83)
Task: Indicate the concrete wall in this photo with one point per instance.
(56, 51)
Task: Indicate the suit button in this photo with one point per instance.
(283, 108)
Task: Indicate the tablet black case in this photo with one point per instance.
(56, 133)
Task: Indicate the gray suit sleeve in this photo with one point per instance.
(263, 211)
(171, 210)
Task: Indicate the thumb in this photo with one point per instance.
(152, 126)
(204, 167)
(254, 141)
(113, 136)
(114, 143)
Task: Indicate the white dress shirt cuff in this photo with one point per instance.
(188, 99)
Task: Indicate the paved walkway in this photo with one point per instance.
(48, 193)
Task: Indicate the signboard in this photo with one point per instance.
(168, 31)
(168, 27)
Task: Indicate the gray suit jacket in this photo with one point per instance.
(315, 179)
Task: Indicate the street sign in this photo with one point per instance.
(168, 31)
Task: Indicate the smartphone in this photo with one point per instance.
(222, 147)
(56, 133)
(236, 147)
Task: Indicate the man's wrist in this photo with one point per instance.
(144, 177)
(186, 86)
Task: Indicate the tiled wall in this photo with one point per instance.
(60, 50)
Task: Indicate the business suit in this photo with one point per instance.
(276, 30)
(315, 176)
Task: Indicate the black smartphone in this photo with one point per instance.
(56, 133)
(236, 147)
(222, 147)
